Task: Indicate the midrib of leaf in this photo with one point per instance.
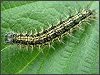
(5, 48)
(28, 63)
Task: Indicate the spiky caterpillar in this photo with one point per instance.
(52, 33)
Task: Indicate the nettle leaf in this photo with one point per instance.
(79, 54)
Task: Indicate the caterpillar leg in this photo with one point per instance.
(50, 46)
(60, 40)
(40, 49)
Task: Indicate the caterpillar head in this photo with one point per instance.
(9, 38)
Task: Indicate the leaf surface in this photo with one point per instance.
(79, 54)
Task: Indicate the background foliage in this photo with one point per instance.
(79, 54)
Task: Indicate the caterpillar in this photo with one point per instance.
(51, 33)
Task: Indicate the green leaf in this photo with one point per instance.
(79, 54)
